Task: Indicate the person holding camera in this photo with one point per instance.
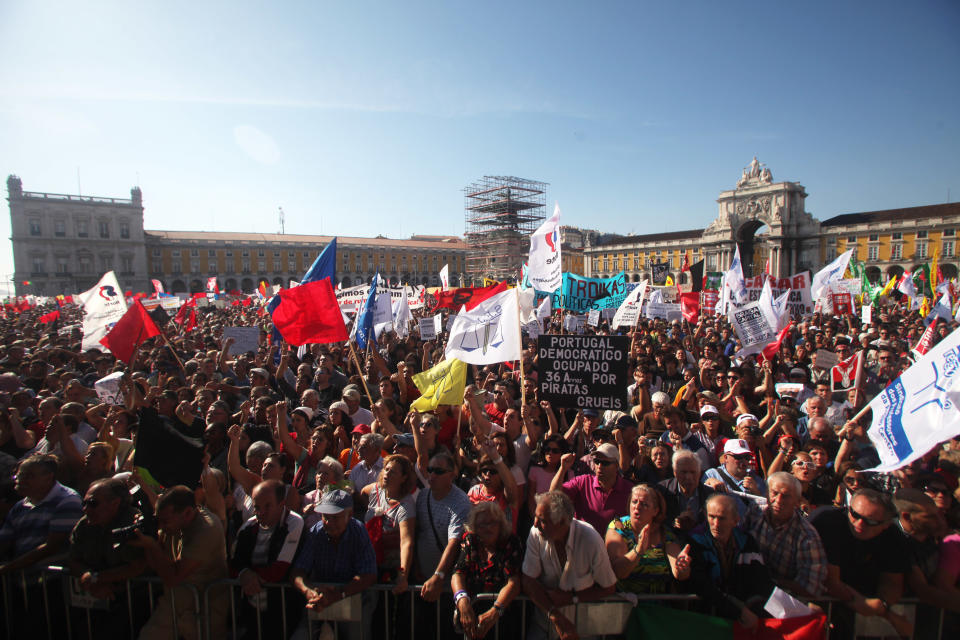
(100, 557)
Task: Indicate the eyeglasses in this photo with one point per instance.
(552, 450)
(438, 471)
(741, 457)
(867, 521)
(733, 377)
(488, 472)
(803, 464)
(938, 490)
(711, 416)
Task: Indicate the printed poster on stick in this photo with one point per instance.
(584, 372)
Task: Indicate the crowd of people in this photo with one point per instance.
(314, 472)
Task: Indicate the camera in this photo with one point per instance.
(122, 534)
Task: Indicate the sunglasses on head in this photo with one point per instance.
(439, 471)
(867, 521)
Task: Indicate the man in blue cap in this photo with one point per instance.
(336, 550)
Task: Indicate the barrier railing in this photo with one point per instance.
(600, 617)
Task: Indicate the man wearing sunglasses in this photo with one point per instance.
(866, 559)
(734, 472)
(598, 497)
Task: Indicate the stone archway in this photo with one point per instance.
(753, 246)
(873, 274)
(247, 285)
(231, 284)
(894, 272)
(196, 286)
(178, 286)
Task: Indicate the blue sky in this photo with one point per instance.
(361, 118)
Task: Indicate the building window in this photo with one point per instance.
(126, 264)
(175, 268)
(34, 227)
(246, 266)
(104, 227)
(874, 237)
(921, 234)
(616, 263)
(38, 265)
(194, 253)
(260, 253)
(852, 240)
(712, 261)
(921, 248)
(211, 253)
(156, 253)
(175, 253)
(292, 266)
(62, 264)
(896, 235)
(831, 253)
(276, 254)
(873, 252)
(212, 266)
(948, 248)
(59, 228)
(949, 233)
(245, 253)
(106, 263)
(83, 229)
(896, 252)
(194, 266)
(125, 230)
(84, 264)
(261, 265)
(228, 253)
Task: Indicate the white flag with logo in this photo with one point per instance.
(445, 277)
(489, 333)
(830, 273)
(733, 278)
(401, 314)
(918, 410)
(629, 310)
(103, 306)
(543, 265)
(545, 308)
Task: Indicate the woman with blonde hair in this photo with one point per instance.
(391, 501)
(645, 555)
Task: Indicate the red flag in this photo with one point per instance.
(843, 375)
(811, 627)
(50, 317)
(926, 340)
(309, 313)
(182, 311)
(133, 328)
(470, 296)
(246, 302)
(773, 348)
(191, 321)
(686, 262)
(198, 295)
(690, 306)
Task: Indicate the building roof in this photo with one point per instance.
(416, 242)
(890, 215)
(650, 237)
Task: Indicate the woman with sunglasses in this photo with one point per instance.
(806, 471)
(392, 500)
(848, 482)
(496, 484)
(646, 555)
(545, 467)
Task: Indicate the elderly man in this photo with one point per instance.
(190, 551)
(685, 496)
(357, 414)
(734, 472)
(565, 563)
(790, 545)
(867, 558)
(336, 550)
(727, 569)
(368, 468)
(263, 551)
(598, 497)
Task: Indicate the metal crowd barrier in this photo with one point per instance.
(53, 574)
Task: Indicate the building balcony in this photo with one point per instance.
(38, 274)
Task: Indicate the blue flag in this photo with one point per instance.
(365, 319)
(325, 266)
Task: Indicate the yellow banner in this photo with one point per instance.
(443, 384)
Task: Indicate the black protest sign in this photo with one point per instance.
(585, 372)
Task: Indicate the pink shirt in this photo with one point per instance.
(592, 505)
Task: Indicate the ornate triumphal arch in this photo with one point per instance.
(767, 220)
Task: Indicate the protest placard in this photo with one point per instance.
(669, 311)
(799, 302)
(108, 388)
(430, 327)
(586, 372)
(826, 359)
(593, 317)
(245, 339)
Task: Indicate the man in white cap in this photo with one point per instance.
(358, 414)
(597, 497)
(336, 550)
(734, 472)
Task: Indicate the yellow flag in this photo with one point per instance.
(443, 384)
(933, 271)
(889, 286)
(669, 282)
(925, 307)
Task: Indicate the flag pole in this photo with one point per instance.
(360, 370)
(523, 390)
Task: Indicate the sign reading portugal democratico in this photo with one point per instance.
(586, 372)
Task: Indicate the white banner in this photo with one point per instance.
(669, 311)
(919, 409)
(489, 333)
(544, 265)
(755, 325)
(351, 297)
(626, 314)
(103, 306)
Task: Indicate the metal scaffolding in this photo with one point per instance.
(501, 213)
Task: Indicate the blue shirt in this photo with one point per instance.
(325, 561)
(28, 525)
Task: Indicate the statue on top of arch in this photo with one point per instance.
(755, 174)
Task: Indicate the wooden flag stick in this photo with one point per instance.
(360, 371)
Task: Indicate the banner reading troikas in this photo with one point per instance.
(582, 294)
(103, 306)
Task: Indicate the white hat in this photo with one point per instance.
(736, 447)
(708, 408)
(608, 451)
(743, 417)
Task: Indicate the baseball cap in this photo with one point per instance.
(334, 502)
(351, 394)
(743, 417)
(708, 409)
(307, 411)
(591, 413)
(361, 428)
(625, 422)
(403, 440)
(798, 372)
(260, 372)
(341, 405)
(736, 447)
(606, 451)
